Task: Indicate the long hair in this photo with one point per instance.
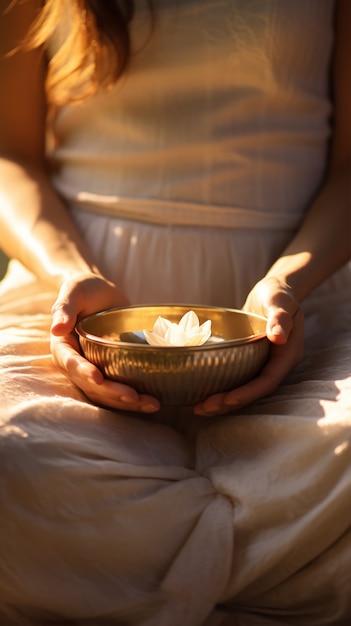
(92, 54)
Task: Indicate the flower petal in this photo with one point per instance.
(175, 336)
(153, 339)
(161, 325)
(189, 321)
(205, 330)
(187, 332)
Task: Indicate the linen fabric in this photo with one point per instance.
(187, 184)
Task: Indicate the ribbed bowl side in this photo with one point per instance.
(180, 378)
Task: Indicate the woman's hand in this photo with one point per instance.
(285, 330)
(80, 296)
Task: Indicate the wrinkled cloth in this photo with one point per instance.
(110, 518)
(186, 184)
(222, 119)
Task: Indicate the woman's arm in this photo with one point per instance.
(35, 226)
(320, 247)
(323, 243)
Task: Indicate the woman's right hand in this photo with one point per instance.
(79, 296)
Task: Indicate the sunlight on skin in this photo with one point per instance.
(342, 448)
(32, 234)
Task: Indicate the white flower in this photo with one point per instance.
(187, 333)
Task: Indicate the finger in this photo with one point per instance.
(214, 405)
(281, 361)
(223, 403)
(63, 317)
(99, 390)
(119, 396)
(280, 307)
(61, 324)
(279, 325)
(66, 355)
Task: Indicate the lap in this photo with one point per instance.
(249, 510)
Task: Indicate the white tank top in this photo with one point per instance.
(222, 118)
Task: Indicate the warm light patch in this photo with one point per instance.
(342, 447)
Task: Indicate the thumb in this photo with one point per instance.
(64, 310)
(279, 325)
(280, 306)
(282, 310)
(62, 322)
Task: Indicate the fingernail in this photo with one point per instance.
(149, 408)
(95, 379)
(59, 318)
(204, 411)
(126, 399)
(277, 330)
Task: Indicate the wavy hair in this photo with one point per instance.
(93, 53)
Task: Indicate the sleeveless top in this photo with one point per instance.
(222, 119)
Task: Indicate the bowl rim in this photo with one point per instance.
(147, 347)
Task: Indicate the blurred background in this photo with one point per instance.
(3, 264)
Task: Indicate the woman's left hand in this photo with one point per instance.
(79, 296)
(285, 330)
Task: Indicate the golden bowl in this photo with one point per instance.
(237, 350)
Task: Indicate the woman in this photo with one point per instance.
(185, 152)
